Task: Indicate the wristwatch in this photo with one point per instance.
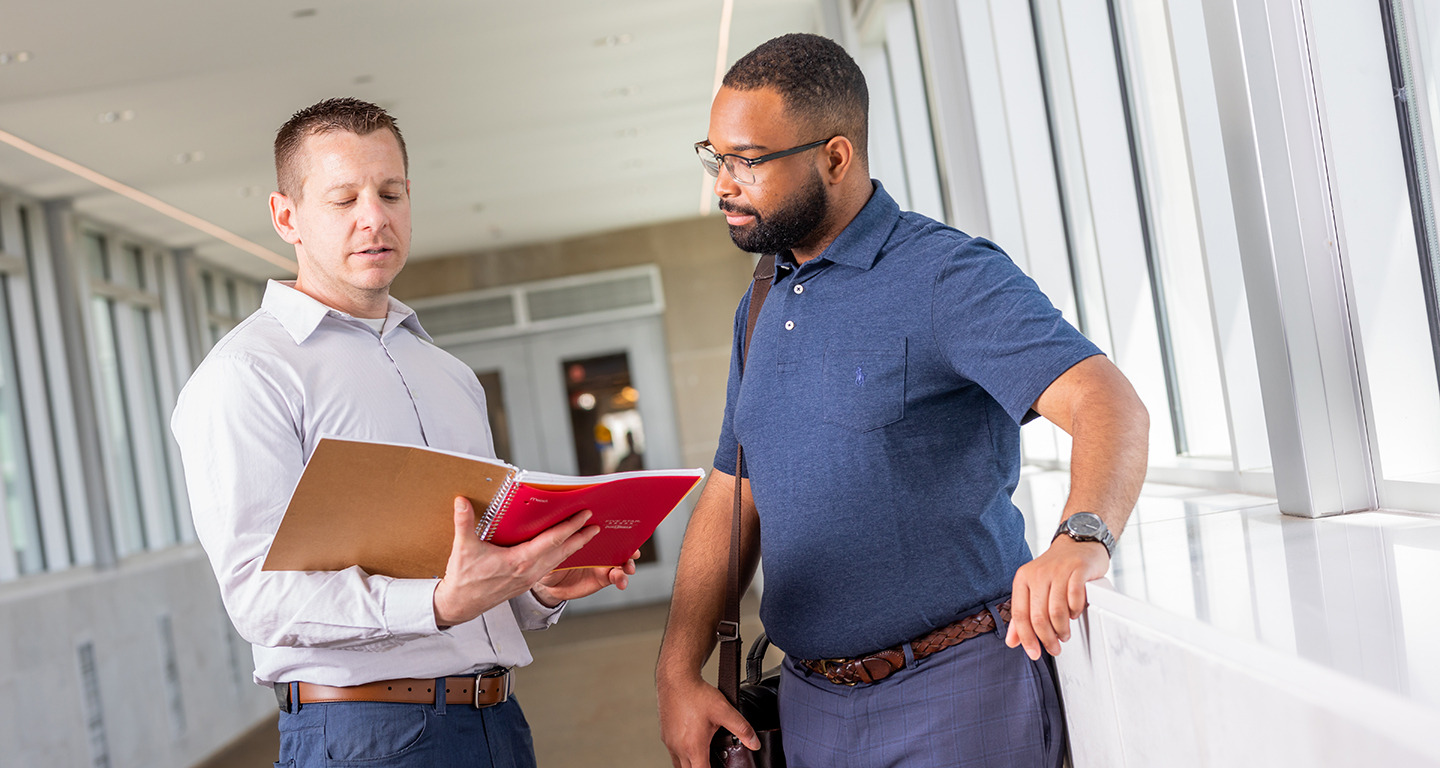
(1087, 526)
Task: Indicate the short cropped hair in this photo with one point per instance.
(818, 81)
(358, 117)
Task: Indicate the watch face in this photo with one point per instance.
(1084, 524)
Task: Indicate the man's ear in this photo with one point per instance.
(283, 216)
(837, 159)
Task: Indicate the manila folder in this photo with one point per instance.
(386, 508)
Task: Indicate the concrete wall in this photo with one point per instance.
(704, 276)
(153, 701)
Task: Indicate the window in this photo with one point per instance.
(1380, 64)
(1140, 167)
(23, 549)
(135, 389)
(902, 147)
(227, 300)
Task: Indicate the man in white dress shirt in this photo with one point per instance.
(366, 668)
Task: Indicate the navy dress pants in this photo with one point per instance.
(977, 704)
(384, 735)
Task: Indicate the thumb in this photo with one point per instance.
(464, 521)
(736, 723)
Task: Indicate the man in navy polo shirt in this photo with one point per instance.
(880, 409)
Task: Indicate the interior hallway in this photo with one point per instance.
(589, 696)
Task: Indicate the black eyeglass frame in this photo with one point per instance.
(750, 162)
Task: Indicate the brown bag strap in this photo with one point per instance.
(728, 631)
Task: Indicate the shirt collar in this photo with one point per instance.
(860, 242)
(300, 314)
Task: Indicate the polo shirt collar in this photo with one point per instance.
(300, 314)
(860, 242)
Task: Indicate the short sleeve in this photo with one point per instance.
(994, 327)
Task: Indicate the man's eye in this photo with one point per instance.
(392, 198)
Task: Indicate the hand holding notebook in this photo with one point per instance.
(390, 508)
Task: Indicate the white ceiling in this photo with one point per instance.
(522, 123)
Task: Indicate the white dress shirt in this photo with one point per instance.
(248, 420)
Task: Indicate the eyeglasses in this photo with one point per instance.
(742, 169)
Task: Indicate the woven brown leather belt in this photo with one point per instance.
(484, 690)
(877, 666)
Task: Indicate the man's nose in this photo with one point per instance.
(370, 212)
(725, 184)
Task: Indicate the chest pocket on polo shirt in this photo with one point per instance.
(863, 385)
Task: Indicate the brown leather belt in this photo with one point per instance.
(484, 690)
(877, 666)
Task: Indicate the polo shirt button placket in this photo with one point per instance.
(799, 289)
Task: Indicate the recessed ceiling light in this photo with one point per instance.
(628, 133)
(610, 41)
(364, 79)
(478, 207)
(188, 157)
(116, 116)
(248, 191)
(633, 162)
(624, 90)
(17, 57)
(304, 13)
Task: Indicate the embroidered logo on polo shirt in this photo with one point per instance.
(859, 377)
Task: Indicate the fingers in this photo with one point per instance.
(1040, 621)
(1022, 632)
(1076, 593)
(1059, 615)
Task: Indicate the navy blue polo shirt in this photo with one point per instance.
(880, 412)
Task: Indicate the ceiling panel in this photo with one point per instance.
(525, 121)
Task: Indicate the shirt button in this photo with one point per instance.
(789, 325)
(799, 289)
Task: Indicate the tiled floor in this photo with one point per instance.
(589, 695)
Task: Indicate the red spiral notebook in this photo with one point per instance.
(389, 508)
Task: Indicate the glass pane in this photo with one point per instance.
(207, 282)
(129, 528)
(96, 259)
(134, 276)
(16, 494)
(604, 416)
(1085, 257)
(495, 411)
(155, 412)
(1160, 132)
(232, 305)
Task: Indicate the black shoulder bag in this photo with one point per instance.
(757, 699)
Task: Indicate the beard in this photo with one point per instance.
(785, 228)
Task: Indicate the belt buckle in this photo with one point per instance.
(500, 672)
(828, 664)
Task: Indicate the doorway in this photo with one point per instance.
(584, 401)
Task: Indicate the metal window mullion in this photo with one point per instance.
(46, 490)
(1286, 230)
(1234, 343)
(56, 275)
(175, 325)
